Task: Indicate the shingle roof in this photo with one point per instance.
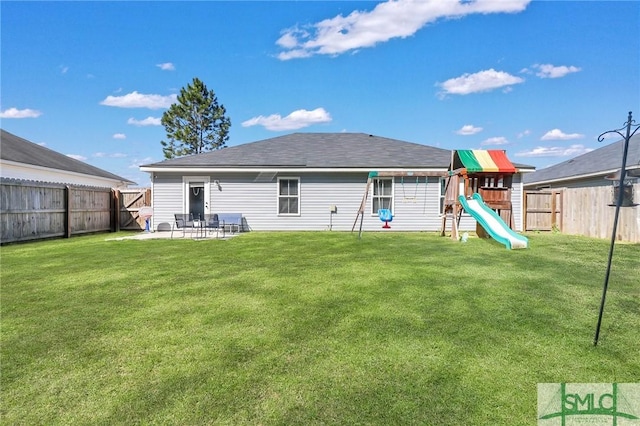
(19, 150)
(600, 161)
(320, 150)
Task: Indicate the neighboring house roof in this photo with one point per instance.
(18, 150)
(599, 162)
(318, 150)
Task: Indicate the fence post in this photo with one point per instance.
(67, 211)
(554, 218)
(524, 211)
(115, 217)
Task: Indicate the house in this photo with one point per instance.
(312, 181)
(579, 196)
(24, 160)
(588, 170)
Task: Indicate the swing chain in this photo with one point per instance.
(415, 193)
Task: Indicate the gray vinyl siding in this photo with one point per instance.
(257, 201)
(517, 201)
(166, 200)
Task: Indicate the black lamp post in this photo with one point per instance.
(628, 125)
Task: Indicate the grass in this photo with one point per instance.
(308, 328)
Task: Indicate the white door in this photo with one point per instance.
(196, 195)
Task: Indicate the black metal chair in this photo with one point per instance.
(212, 221)
(182, 221)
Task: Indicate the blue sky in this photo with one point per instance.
(540, 79)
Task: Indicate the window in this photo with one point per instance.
(288, 196)
(382, 195)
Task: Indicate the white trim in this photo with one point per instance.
(280, 169)
(278, 196)
(186, 186)
(393, 193)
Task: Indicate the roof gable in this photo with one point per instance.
(19, 150)
(600, 161)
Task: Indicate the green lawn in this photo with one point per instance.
(308, 328)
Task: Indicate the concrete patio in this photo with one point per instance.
(177, 235)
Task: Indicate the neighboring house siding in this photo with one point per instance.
(576, 183)
(257, 201)
(35, 173)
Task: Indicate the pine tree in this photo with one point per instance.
(196, 123)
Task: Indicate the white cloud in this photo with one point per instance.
(149, 121)
(296, 120)
(166, 66)
(63, 69)
(559, 135)
(105, 155)
(483, 81)
(523, 134)
(388, 20)
(119, 136)
(555, 151)
(496, 140)
(137, 162)
(139, 100)
(468, 129)
(20, 113)
(551, 71)
(77, 157)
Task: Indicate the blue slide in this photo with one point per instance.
(492, 223)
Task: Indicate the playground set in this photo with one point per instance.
(478, 182)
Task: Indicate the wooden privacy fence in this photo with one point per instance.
(130, 201)
(582, 211)
(37, 210)
(543, 210)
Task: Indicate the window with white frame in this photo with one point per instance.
(288, 196)
(382, 194)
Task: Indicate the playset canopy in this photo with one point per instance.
(482, 161)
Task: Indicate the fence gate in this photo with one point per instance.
(543, 210)
(130, 202)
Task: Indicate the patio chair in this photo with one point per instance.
(212, 221)
(182, 221)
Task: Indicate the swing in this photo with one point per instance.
(415, 193)
(385, 216)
